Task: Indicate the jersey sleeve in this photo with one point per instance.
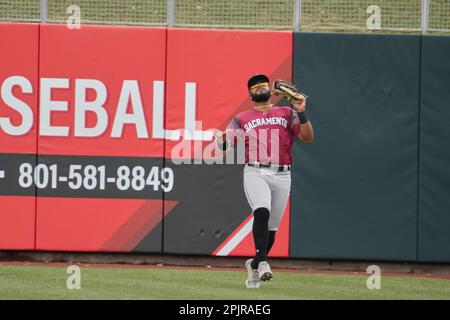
(234, 124)
(295, 123)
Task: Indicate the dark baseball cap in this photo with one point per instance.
(257, 78)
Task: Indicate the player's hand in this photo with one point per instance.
(299, 106)
(220, 137)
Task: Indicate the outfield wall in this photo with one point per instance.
(92, 122)
(357, 184)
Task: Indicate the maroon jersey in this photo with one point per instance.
(267, 136)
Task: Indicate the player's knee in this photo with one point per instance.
(261, 214)
(274, 223)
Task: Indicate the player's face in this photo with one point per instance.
(260, 92)
(258, 86)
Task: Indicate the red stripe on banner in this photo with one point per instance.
(232, 236)
(246, 247)
(139, 225)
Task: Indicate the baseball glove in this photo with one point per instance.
(288, 91)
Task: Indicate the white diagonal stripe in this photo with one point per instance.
(238, 237)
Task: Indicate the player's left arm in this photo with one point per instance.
(306, 132)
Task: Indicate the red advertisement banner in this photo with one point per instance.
(100, 110)
(18, 112)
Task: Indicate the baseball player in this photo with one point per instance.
(268, 132)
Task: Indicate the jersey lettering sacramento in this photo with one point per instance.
(268, 136)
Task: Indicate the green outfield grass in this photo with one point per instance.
(31, 282)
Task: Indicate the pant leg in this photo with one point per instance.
(257, 189)
(281, 187)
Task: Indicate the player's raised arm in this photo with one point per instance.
(306, 132)
(226, 140)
